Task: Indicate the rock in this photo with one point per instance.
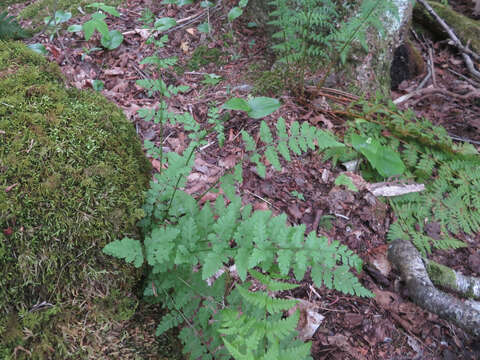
(79, 174)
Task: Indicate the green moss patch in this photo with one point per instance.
(203, 56)
(72, 174)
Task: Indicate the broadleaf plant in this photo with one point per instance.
(110, 39)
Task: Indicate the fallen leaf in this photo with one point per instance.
(144, 33)
(191, 31)
(378, 258)
(310, 319)
(156, 164)
(260, 205)
(184, 46)
(294, 211)
(228, 162)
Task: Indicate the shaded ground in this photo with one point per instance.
(386, 327)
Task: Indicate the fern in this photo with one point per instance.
(10, 28)
(181, 236)
(313, 29)
(260, 331)
(189, 248)
(303, 138)
(451, 175)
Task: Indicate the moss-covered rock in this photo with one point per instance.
(72, 174)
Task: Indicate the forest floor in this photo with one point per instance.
(388, 326)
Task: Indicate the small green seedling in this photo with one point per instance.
(237, 11)
(111, 39)
(255, 107)
(346, 181)
(211, 79)
(297, 195)
(54, 24)
(98, 85)
(87, 51)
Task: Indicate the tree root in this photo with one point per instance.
(406, 258)
(443, 276)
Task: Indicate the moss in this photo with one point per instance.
(39, 9)
(268, 83)
(72, 174)
(203, 56)
(441, 275)
(467, 30)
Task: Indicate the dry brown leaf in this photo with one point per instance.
(192, 31)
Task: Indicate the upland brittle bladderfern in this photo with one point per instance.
(187, 244)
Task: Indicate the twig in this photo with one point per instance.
(261, 198)
(52, 18)
(458, 138)
(466, 52)
(432, 66)
(425, 80)
(470, 81)
(431, 91)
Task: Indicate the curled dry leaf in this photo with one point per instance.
(310, 318)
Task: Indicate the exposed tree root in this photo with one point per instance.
(406, 258)
(443, 276)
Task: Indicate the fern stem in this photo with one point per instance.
(178, 180)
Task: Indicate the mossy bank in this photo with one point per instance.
(72, 175)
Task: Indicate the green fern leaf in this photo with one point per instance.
(213, 263)
(300, 265)
(282, 148)
(249, 142)
(169, 321)
(272, 156)
(294, 145)
(241, 261)
(284, 259)
(128, 249)
(281, 328)
(272, 285)
(159, 244)
(301, 351)
(265, 133)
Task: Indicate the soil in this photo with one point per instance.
(388, 326)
